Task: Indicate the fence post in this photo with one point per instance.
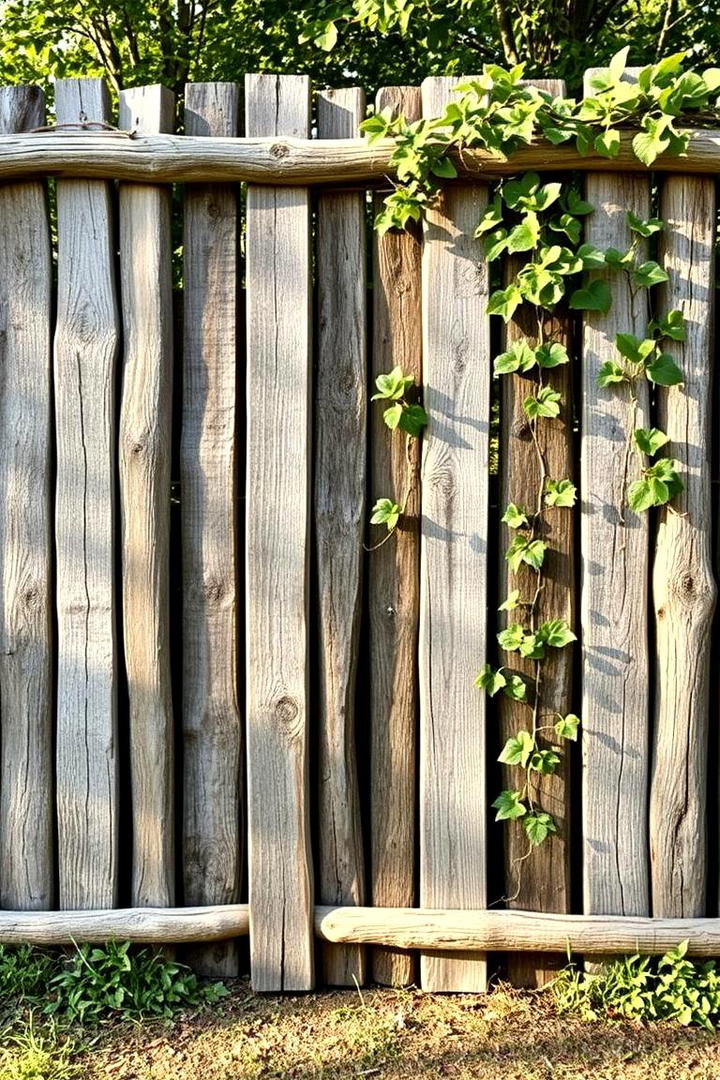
(340, 484)
(279, 291)
(453, 560)
(144, 463)
(86, 347)
(393, 580)
(26, 601)
(212, 731)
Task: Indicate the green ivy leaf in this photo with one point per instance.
(663, 371)
(538, 827)
(511, 638)
(393, 415)
(444, 168)
(494, 244)
(534, 554)
(560, 493)
(641, 496)
(610, 373)
(593, 297)
(525, 236)
(505, 302)
(515, 191)
(607, 143)
(491, 219)
(413, 419)
(511, 602)
(544, 762)
(648, 274)
(551, 355)
(546, 402)
(515, 689)
(576, 204)
(567, 224)
(634, 349)
(392, 386)
(556, 633)
(650, 440)
(386, 512)
(519, 357)
(532, 647)
(566, 727)
(509, 806)
(515, 517)
(644, 226)
(592, 258)
(517, 749)
(671, 325)
(490, 680)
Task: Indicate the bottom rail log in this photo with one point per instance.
(405, 928)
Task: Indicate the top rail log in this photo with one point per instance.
(283, 160)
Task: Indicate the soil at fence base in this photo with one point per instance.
(398, 1034)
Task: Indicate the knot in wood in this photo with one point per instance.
(279, 151)
(32, 596)
(214, 589)
(390, 611)
(286, 711)
(213, 211)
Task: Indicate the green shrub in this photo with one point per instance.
(670, 987)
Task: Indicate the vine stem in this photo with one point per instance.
(411, 480)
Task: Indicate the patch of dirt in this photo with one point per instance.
(398, 1035)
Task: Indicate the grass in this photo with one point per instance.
(388, 1034)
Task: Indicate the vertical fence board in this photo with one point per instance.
(393, 581)
(683, 583)
(541, 882)
(279, 292)
(144, 465)
(26, 631)
(212, 734)
(340, 476)
(86, 346)
(614, 593)
(454, 538)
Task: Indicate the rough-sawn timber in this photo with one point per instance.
(283, 160)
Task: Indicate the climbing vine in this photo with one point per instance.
(543, 221)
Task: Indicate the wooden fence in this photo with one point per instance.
(220, 712)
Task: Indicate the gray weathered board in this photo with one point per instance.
(144, 452)
(542, 882)
(86, 347)
(393, 578)
(279, 290)
(26, 599)
(453, 557)
(339, 510)
(614, 589)
(684, 588)
(212, 733)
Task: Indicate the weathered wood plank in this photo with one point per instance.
(340, 468)
(453, 931)
(86, 347)
(684, 588)
(393, 580)
(454, 539)
(166, 159)
(614, 593)
(278, 489)
(26, 601)
(147, 925)
(212, 734)
(144, 465)
(542, 882)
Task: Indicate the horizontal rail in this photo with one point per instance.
(407, 928)
(181, 158)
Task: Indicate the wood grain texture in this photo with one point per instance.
(450, 931)
(144, 464)
(684, 589)
(278, 494)
(212, 733)
(26, 586)
(614, 592)
(165, 159)
(144, 925)
(542, 882)
(393, 580)
(339, 505)
(86, 348)
(454, 539)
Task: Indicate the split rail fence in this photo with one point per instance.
(220, 713)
